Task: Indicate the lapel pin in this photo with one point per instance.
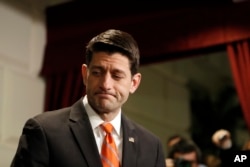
(131, 139)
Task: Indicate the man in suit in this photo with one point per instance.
(73, 136)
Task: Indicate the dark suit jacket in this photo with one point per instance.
(64, 138)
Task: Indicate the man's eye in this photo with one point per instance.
(96, 73)
(117, 76)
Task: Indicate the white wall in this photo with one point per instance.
(161, 103)
(22, 41)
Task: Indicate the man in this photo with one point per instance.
(184, 153)
(172, 140)
(221, 138)
(73, 136)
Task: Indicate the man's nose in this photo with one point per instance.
(106, 81)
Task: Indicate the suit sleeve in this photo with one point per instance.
(160, 158)
(32, 150)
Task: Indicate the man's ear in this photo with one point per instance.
(84, 73)
(136, 80)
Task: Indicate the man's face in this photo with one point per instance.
(108, 81)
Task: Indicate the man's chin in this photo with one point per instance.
(104, 107)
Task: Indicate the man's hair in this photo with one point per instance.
(112, 41)
(175, 137)
(183, 147)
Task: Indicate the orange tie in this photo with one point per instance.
(109, 152)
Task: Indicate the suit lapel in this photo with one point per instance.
(130, 143)
(82, 130)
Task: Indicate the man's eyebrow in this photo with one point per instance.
(118, 70)
(95, 67)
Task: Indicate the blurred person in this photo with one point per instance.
(185, 153)
(172, 140)
(222, 139)
(226, 149)
(211, 160)
(73, 136)
(246, 146)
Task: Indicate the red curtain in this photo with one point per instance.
(162, 34)
(67, 87)
(239, 57)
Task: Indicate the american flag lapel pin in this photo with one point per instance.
(131, 139)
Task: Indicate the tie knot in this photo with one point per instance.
(107, 127)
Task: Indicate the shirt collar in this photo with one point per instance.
(95, 119)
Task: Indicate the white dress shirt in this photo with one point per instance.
(99, 133)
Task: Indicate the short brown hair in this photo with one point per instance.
(112, 41)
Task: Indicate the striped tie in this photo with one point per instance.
(109, 151)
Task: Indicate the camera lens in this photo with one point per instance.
(182, 163)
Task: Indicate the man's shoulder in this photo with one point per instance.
(140, 129)
(59, 113)
(53, 113)
(50, 118)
